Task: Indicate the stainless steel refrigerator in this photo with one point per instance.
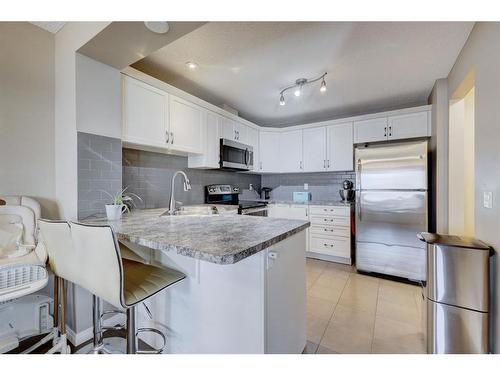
(391, 208)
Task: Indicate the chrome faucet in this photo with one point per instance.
(187, 186)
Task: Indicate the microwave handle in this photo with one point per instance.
(247, 156)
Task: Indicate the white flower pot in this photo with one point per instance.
(115, 211)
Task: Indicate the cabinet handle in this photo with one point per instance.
(273, 255)
(328, 163)
(385, 131)
(301, 165)
(328, 220)
(260, 165)
(327, 245)
(167, 136)
(172, 137)
(390, 131)
(324, 164)
(328, 230)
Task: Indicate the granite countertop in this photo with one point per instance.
(221, 239)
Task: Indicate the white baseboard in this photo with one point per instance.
(77, 338)
(329, 258)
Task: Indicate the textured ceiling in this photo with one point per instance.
(52, 27)
(371, 65)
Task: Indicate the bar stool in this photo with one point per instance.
(89, 256)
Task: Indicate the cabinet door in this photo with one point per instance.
(252, 137)
(314, 149)
(286, 301)
(186, 125)
(291, 157)
(340, 147)
(227, 129)
(269, 152)
(145, 114)
(411, 125)
(372, 130)
(241, 132)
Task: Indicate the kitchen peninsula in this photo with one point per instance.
(245, 290)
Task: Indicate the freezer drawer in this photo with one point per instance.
(453, 330)
(396, 260)
(458, 276)
(391, 217)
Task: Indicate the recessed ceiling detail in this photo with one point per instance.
(372, 66)
(52, 27)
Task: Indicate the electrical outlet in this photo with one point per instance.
(488, 199)
(306, 186)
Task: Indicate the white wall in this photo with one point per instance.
(98, 97)
(67, 41)
(439, 148)
(27, 113)
(481, 54)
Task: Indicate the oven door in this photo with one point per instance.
(235, 155)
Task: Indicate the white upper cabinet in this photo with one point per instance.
(210, 144)
(187, 121)
(252, 139)
(291, 151)
(241, 132)
(269, 152)
(314, 149)
(410, 125)
(234, 130)
(371, 130)
(145, 114)
(227, 128)
(340, 147)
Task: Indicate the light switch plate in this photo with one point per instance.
(306, 186)
(488, 199)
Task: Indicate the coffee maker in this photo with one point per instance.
(347, 193)
(265, 193)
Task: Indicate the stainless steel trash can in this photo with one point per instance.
(457, 294)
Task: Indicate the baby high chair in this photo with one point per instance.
(22, 273)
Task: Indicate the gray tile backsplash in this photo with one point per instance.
(322, 185)
(149, 174)
(99, 170)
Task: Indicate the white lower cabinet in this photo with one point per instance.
(330, 233)
(329, 236)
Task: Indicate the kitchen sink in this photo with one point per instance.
(195, 210)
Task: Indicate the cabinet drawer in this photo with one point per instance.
(330, 210)
(328, 231)
(342, 221)
(335, 246)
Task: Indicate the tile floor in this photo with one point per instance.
(352, 313)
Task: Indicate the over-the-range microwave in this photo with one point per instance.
(235, 156)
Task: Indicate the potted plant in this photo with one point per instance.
(120, 203)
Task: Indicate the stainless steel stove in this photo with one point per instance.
(228, 195)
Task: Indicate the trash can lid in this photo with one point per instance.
(456, 241)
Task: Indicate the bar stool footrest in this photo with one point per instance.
(155, 331)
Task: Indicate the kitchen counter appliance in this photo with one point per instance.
(391, 208)
(235, 156)
(457, 294)
(228, 195)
